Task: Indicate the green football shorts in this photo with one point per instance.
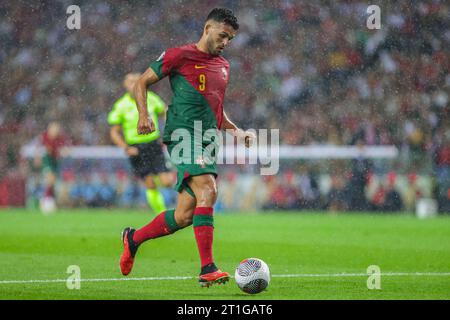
(200, 160)
(50, 163)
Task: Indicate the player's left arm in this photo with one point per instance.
(228, 125)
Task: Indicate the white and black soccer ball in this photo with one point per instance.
(252, 275)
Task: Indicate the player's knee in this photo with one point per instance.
(207, 195)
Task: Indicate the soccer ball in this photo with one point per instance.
(252, 275)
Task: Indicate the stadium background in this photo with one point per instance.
(309, 68)
(312, 69)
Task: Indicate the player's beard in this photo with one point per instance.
(212, 48)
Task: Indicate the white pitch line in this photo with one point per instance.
(389, 274)
(323, 275)
(95, 280)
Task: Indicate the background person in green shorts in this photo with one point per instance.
(53, 140)
(144, 151)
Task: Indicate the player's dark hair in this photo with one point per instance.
(223, 15)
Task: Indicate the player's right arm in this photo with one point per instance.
(145, 123)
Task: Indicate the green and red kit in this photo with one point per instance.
(198, 81)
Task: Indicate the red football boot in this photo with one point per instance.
(129, 251)
(218, 276)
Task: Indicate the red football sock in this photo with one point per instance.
(162, 225)
(204, 233)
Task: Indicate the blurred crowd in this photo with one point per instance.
(98, 184)
(311, 68)
(348, 191)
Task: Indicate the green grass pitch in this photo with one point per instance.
(306, 253)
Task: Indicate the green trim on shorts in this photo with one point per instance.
(188, 189)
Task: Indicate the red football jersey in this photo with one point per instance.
(198, 82)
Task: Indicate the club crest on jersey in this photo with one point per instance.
(200, 161)
(225, 73)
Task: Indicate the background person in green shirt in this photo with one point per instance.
(144, 151)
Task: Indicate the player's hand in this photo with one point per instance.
(145, 125)
(132, 151)
(249, 138)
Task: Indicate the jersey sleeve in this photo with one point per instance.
(156, 102)
(167, 62)
(115, 116)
